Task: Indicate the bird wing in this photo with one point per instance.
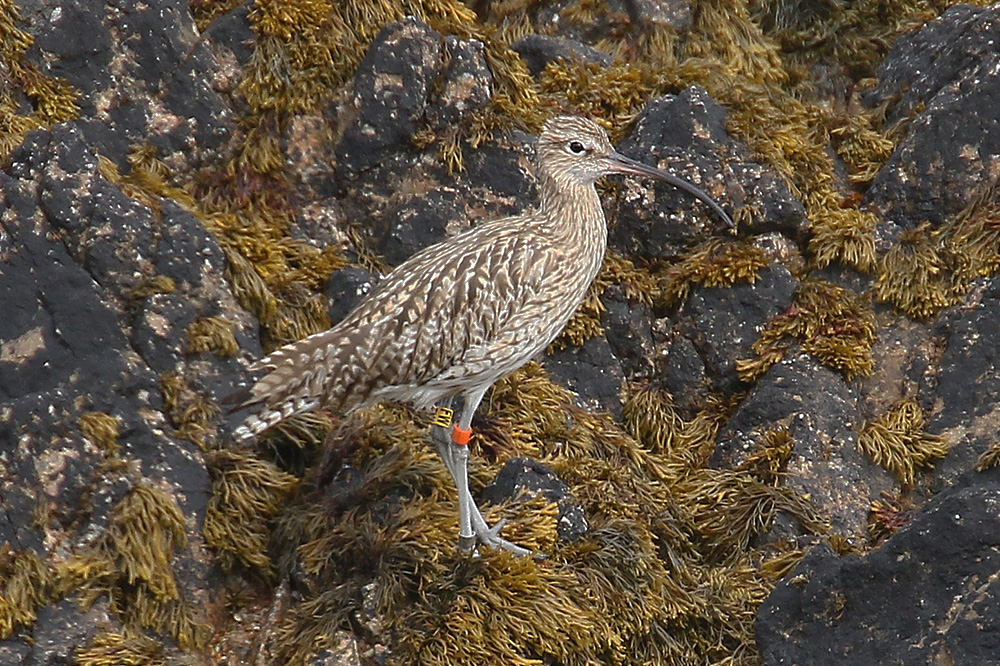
(540, 313)
(436, 317)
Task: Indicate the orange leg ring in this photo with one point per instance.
(461, 437)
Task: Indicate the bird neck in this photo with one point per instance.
(575, 213)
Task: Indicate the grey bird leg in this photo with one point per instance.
(472, 527)
(450, 454)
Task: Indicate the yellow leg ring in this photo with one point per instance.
(443, 416)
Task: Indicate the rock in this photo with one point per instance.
(140, 98)
(537, 51)
(60, 629)
(346, 288)
(89, 335)
(154, 331)
(232, 32)
(674, 13)
(966, 389)
(724, 323)
(406, 198)
(628, 329)
(61, 335)
(928, 595)
(498, 181)
(466, 85)
(321, 224)
(682, 373)
(924, 62)
(391, 91)
(524, 475)
(592, 372)
(418, 221)
(821, 414)
(951, 69)
(682, 134)
(78, 45)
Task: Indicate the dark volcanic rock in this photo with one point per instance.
(73, 42)
(967, 391)
(118, 55)
(924, 62)
(411, 81)
(537, 51)
(723, 323)
(675, 13)
(346, 288)
(628, 329)
(592, 371)
(821, 414)
(82, 333)
(524, 475)
(59, 630)
(929, 595)
(54, 320)
(391, 90)
(685, 135)
(498, 170)
(682, 373)
(418, 221)
(951, 69)
(466, 84)
(232, 31)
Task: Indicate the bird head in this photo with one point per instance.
(576, 151)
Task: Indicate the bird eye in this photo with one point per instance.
(576, 147)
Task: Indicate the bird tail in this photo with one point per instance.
(296, 382)
(257, 423)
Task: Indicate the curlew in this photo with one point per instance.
(457, 316)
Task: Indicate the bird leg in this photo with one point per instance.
(452, 445)
(455, 458)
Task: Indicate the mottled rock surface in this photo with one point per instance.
(946, 77)
(928, 595)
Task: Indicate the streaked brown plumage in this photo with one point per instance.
(461, 314)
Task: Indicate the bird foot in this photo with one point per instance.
(469, 544)
(490, 536)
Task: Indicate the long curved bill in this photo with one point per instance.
(621, 164)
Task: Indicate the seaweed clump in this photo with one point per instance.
(897, 441)
(989, 458)
(246, 494)
(714, 263)
(833, 324)
(131, 563)
(913, 275)
(887, 515)
(53, 99)
(25, 585)
(101, 429)
(929, 269)
(190, 412)
(128, 560)
(650, 581)
(115, 649)
(214, 334)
